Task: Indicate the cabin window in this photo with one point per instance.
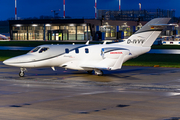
(86, 50)
(43, 49)
(66, 50)
(35, 49)
(77, 50)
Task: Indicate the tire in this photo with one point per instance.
(99, 73)
(21, 74)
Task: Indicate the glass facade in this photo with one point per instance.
(66, 30)
(20, 33)
(127, 31)
(110, 31)
(35, 32)
(51, 32)
(72, 32)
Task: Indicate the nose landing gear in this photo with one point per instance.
(21, 73)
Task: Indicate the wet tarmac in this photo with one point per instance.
(132, 93)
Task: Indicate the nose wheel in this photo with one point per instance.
(21, 73)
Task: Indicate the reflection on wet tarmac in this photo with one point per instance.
(130, 93)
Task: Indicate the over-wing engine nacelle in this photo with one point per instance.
(113, 58)
(112, 53)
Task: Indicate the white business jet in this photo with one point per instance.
(91, 57)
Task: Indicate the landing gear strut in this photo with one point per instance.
(90, 72)
(21, 73)
(98, 72)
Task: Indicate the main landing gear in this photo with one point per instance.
(90, 72)
(96, 72)
(21, 73)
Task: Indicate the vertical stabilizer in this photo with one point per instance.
(148, 33)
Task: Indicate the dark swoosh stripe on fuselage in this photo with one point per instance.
(114, 50)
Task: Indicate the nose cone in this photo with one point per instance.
(11, 61)
(19, 60)
(7, 61)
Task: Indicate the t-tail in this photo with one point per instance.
(146, 36)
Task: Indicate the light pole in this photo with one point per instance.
(95, 9)
(119, 5)
(64, 8)
(140, 6)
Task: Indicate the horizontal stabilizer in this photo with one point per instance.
(163, 25)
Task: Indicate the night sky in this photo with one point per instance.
(78, 8)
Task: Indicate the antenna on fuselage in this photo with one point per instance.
(104, 42)
(87, 43)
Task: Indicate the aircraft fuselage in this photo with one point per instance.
(73, 56)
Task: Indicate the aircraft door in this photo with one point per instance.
(55, 35)
(59, 36)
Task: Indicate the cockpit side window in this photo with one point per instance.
(35, 49)
(43, 49)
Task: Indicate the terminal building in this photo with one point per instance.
(52, 29)
(71, 29)
(109, 25)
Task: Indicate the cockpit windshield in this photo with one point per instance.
(35, 49)
(40, 49)
(43, 49)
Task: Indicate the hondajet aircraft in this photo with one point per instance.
(91, 57)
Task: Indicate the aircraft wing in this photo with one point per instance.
(110, 62)
(104, 64)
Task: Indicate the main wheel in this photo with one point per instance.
(21, 74)
(98, 72)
